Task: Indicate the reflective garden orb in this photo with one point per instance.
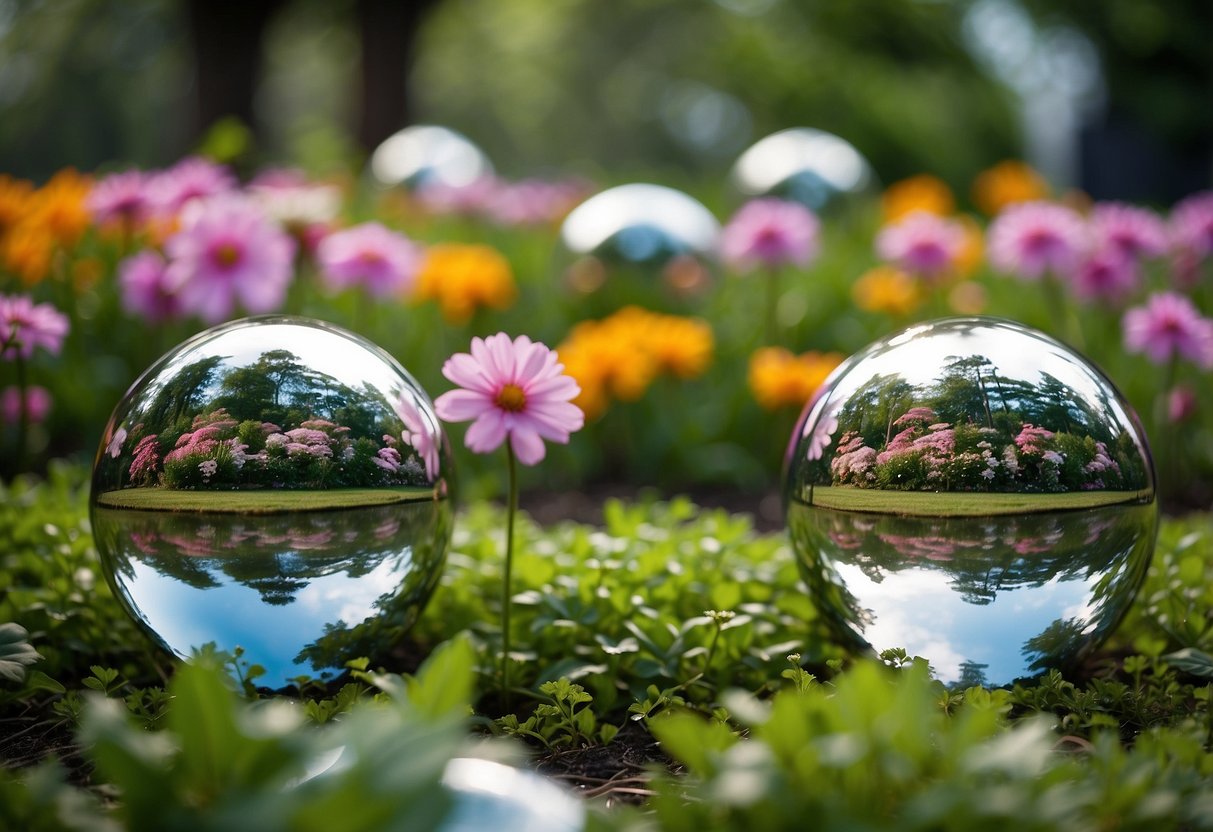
(655, 234)
(490, 795)
(277, 485)
(425, 156)
(975, 492)
(810, 166)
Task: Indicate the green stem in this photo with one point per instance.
(506, 595)
(773, 307)
(22, 409)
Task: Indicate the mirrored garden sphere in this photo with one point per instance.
(277, 485)
(655, 234)
(975, 492)
(490, 795)
(427, 155)
(809, 166)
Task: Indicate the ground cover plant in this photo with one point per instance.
(671, 656)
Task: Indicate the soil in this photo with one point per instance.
(585, 505)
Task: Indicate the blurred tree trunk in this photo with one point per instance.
(388, 29)
(227, 39)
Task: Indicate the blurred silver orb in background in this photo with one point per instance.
(975, 492)
(809, 166)
(428, 156)
(277, 485)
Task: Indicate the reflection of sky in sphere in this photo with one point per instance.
(233, 614)
(920, 610)
(427, 155)
(641, 221)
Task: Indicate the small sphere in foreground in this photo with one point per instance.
(277, 485)
(975, 492)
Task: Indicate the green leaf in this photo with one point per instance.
(443, 686)
(1191, 660)
(16, 653)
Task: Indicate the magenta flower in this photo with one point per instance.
(1192, 224)
(1181, 404)
(1135, 233)
(37, 404)
(146, 290)
(823, 430)
(770, 233)
(419, 434)
(922, 244)
(191, 178)
(120, 198)
(228, 251)
(25, 326)
(1106, 275)
(371, 256)
(1029, 239)
(114, 446)
(512, 389)
(1169, 327)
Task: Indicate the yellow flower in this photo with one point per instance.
(620, 355)
(780, 379)
(1005, 184)
(889, 290)
(918, 193)
(463, 278)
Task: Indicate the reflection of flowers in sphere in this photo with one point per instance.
(114, 448)
(1169, 327)
(228, 251)
(1029, 239)
(368, 255)
(463, 278)
(822, 431)
(419, 434)
(922, 244)
(770, 233)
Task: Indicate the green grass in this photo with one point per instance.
(259, 501)
(962, 504)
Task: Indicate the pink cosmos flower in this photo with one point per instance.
(25, 326)
(923, 244)
(1031, 238)
(418, 433)
(1181, 404)
(191, 178)
(120, 198)
(1136, 233)
(228, 251)
(368, 255)
(114, 446)
(1169, 326)
(827, 424)
(146, 290)
(1106, 275)
(1192, 224)
(37, 404)
(770, 233)
(512, 389)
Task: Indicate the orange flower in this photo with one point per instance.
(27, 250)
(918, 193)
(619, 356)
(1005, 184)
(463, 278)
(59, 206)
(780, 379)
(14, 196)
(889, 290)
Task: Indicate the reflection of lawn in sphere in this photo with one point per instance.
(259, 501)
(963, 503)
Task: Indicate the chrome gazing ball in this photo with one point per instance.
(277, 485)
(809, 166)
(429, 156)
(975, 492)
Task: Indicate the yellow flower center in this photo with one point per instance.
(511, 398)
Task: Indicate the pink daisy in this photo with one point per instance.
(419, 434)
(923, 244)
(1192, 224)
(368, 255)
(228, 251)
(770, 233)
(25, 326)
(191, 178)
(1169, 326)
(146, 292)
(37, 404)
(1029, 239)
(1134, 232)
(512, 389)
(120, 198)
(1106, 275)
(533, 201)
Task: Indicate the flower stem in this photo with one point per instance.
(773, 307)
(506, 594)
(22, 410)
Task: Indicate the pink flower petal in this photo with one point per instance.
(528, 446)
